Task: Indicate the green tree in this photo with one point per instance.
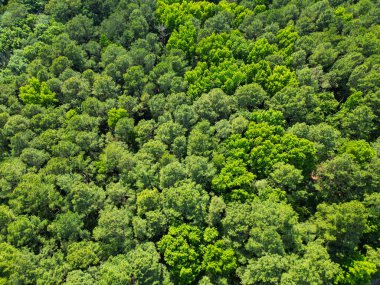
(171, 174)
(219, 259)
(185, 202)
(234, 180)
(137, 27)
(85, 199)
(199, 169)
(60, 64)
(303, 104)
(138, 265)
(286, 176)
(261, 49)
(371, 203)
(280, 77)
(261, 227)
(359, 271)
(77, 277)
(268, 269)
(124, 130)
(168, 131)
(63, 10)
(200, 140)
(214, 105)
(360, 150)
(80, 28)
(35, 196)
(315, 267)
(250, 96)
(135, 80)
(185, 115)
(325, 137)
(184, 38)
(114, 115)
(341, 179)
(216, 211)
(324, 54)
(114, 231)
(16, 266)
(180, 248)
(67, 227)
(81, 255)
(37, 92)
(23, 231)
(104, 87)
(341, 226)
(357, 123)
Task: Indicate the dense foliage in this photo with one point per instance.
(189, 142)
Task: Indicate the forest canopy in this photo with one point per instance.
(162, 142)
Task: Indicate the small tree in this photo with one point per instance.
(37, 92)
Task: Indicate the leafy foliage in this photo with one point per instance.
(189, 142)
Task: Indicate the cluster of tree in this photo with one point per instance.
(189, 142)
